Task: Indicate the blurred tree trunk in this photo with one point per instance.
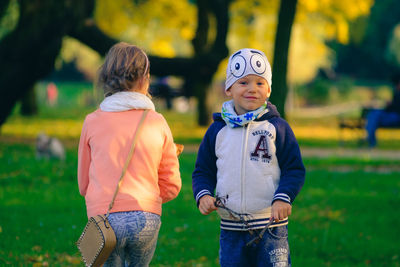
(29, 105)
(199, 70)
(286, 16)
(209, 55)
(29, 51)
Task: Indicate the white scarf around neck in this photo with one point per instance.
(127, 100)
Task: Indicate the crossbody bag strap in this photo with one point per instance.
(127, 160)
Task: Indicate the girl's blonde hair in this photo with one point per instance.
(123, 67)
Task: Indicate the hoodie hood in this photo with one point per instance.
(272, 112)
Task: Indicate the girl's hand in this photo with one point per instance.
(280, 210)
(206, 204)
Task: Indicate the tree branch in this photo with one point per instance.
(89, 34)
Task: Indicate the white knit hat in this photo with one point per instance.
(247, 61)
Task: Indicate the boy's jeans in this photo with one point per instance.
(136, 233)
(270, 251)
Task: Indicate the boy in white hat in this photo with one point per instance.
(250, 158)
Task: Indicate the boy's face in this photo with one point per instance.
(249, 93)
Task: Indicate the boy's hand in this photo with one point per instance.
(280, 210)
(206, 204)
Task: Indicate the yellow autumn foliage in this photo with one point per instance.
(338, 13)
(166, 28)
(114, 17)
(162, 27)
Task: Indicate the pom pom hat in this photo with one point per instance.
(247, 61)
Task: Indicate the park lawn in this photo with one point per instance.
(66, 124)
(344, 216)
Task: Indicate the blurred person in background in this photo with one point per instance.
(52, 94)
(386, 117)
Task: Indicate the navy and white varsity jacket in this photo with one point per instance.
(250, 167)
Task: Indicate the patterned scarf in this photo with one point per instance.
(234, 121)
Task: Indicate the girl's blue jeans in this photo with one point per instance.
(269, 251)
(137, 234)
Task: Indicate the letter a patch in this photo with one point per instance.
(261, 149)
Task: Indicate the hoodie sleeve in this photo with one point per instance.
(290, 162)
(204, 177)
(169, 178)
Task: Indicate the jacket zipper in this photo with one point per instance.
(242, 171)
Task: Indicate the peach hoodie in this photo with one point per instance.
(152, 177)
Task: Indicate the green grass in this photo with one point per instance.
(346, 214)
(42, 214)
(341, 217)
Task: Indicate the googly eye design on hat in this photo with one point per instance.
(247, 61)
